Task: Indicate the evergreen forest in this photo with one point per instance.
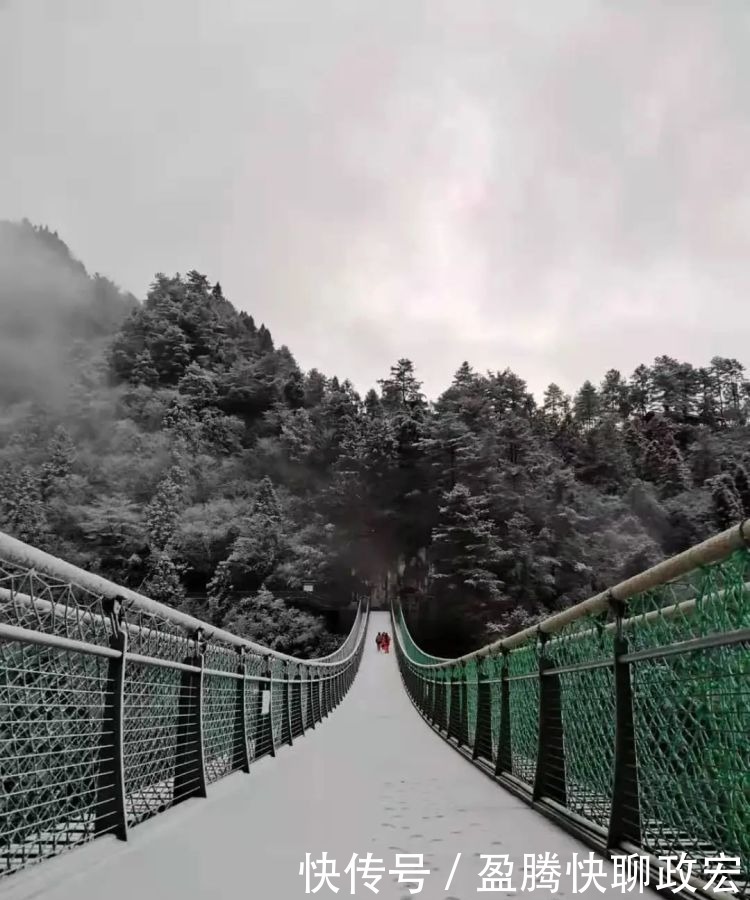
(173, 446)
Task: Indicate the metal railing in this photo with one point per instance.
(114, 708)
(625, 718)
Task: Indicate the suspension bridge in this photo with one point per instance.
(179, 760)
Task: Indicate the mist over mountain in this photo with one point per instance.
(50, 309)
(173, 446)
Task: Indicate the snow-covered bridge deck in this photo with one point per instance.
(372, 778)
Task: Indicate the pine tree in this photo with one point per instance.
(704, 455)
(707, 400)
(315, 388)
(61, 456)
(688, 384)
(468, 399)
(27, 518)
(525, 570)
(198, 386)
(219, 590)
(515, 443)
(170, 353)
(664, 382)
(675, 474)
(163, 583)
(401, 389)
(164, 509)
(266, 504)
(553, 402)
(197, 284)
(254, 554)
(641, 390)
(663, 462)
(373, 406)
(293, 391)
(297, 435)
(464, 546)
(453, 443)
(613, 395)
(676, 387)
(339, 420)
(265, 341)
(726, 503)
(253, 558)
(182, 421)
(603, 458)
(405, 486)
(508, 393)
(729, 378)
(586, 405)
(143, 370)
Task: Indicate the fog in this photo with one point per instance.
(39, 290)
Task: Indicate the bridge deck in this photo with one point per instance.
(373, 777)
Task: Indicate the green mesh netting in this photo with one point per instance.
(587, 699)
(523, 664)
(692, 716)
(687, 652)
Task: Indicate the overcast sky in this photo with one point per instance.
(560, 187)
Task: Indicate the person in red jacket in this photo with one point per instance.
(386, 642)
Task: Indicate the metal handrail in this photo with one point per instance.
(25, 556)
(624, 718)
(118, 707)
(710, 551)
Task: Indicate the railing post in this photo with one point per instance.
(549, 778)
(339, 687)
(311, 683)
(240, 743)
(111, 813)
(483, 731)
(441, 721)
(454, 713)
(432, 710)
(504, 759)
(286, 719)
(334, 691)
(298, 722)
(190, 779)
(326, 693)
(463, 723)
(317, 686)
(264, 721)
(424, 691)
(625, 812)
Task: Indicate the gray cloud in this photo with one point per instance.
(556, 187)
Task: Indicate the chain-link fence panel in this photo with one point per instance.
(627, 715)
(114, 708)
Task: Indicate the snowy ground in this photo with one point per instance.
(371, 778)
